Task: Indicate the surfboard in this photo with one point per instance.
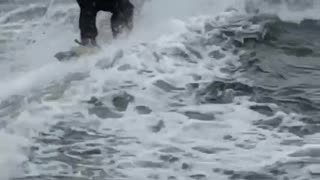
(76, 52)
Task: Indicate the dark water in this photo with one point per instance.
(283, 62)
(285, 67)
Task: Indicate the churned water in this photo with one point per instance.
(200, 90)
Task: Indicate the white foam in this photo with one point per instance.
(164, 25)
(11, 154)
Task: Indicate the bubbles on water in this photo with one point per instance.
(175, 107)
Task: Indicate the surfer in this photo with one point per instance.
(122, 18)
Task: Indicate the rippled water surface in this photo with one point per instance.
(210, 91)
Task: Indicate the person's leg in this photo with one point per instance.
(87, 22)
(116, 24)
(122, 17)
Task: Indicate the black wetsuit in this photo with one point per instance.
(122, 17)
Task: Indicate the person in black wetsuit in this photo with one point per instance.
(122, 17)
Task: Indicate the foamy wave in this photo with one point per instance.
(287, 10)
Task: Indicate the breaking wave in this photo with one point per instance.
(194, 93)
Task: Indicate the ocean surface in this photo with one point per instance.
(200, 90)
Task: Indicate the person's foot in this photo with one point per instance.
(87, 42)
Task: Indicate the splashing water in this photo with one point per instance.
(175, 100)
